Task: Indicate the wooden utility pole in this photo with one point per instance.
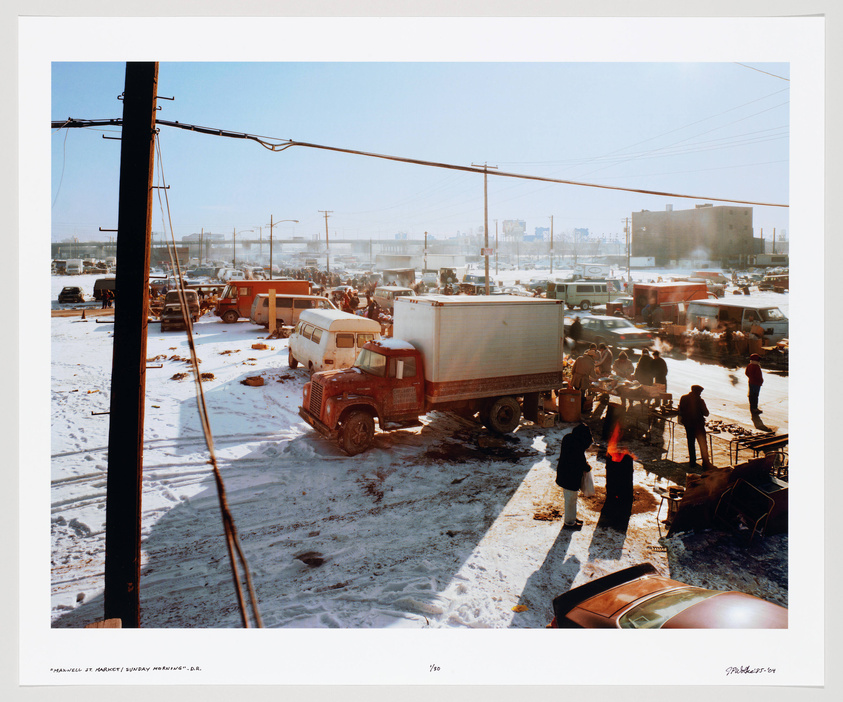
(486, 220)
(496, 247)
(128, 368)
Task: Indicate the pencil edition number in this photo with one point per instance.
(434, 668)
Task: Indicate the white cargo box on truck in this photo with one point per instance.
(476, 346)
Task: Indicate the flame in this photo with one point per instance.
(612, 449)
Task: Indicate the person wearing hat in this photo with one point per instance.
(583, 372)
(692, 414)
(756, 380)
(570, 468)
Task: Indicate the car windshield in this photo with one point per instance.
(653, 613)
(371, 362)
(773, 314)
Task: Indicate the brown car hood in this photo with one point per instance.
(730, 610)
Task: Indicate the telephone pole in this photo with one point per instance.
(486, 218)
(327, 243)
(128, 369)
(628, 241)
(551, 244)
(496, 247)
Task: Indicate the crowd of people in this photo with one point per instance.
(573, 469)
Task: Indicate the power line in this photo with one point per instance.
(278, 145)
(752, 68)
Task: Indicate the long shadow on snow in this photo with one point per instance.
(331, 541)
(222, 398)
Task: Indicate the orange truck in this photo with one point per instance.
(673, 298)
(237, 297)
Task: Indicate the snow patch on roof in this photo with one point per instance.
(395, 344)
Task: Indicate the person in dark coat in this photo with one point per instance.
(756, 380)
(692, 414)
(659, 367)
(644, 369)
(575, 332)
(570, 469)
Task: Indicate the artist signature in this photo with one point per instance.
(747, 670)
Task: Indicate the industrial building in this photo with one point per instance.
(721, 234)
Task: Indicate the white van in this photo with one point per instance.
(581, 293)
(329, 339)
(742, 316)
(385, 295)
(288, 308)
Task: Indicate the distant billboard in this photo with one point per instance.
(514, 228)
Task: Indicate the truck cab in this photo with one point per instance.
(386, 383)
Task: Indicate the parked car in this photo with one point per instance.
(171, 315)
(516, 290)
(612, 331)
(71, 294)
(536, 283)
(640, 598)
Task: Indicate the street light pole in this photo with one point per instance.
(272, 223)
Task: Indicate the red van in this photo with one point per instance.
(237, 297)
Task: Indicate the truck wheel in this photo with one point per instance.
(504, 415)
(585, 304)
(357, 433)
(230, 316)
(291, 360)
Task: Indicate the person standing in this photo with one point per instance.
(644, 369)
(692, 414)
(623, 366)
(576, 332)
(659, 369)
(582, 373)
(570, 469)
(604, 360)
(756, 380)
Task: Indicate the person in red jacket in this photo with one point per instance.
(756, 380)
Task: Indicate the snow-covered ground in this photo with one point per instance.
(440, 527)
(486, 543)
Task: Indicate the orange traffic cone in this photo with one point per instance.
(83, 314)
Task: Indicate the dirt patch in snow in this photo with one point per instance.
(480, 448)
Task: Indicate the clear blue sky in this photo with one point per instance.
(710, 129)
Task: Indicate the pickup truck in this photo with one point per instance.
(490, 356)
(171, 315)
